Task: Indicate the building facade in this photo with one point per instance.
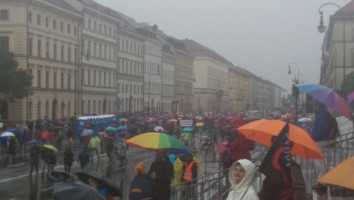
(338, 48)
(238, 88)
(168, 78)
(130, 68)
(98, 58)
(211, 86)
(184, 76)
(43, 35)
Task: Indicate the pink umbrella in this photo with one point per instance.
(350, 97)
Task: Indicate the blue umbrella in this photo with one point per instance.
(122, 127)
(110, 128)
(12, 130)
(187, 129)
(32, 142)
(88, 132)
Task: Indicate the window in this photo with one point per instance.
(89, 24)
(38, 19)
(55, 51)
(61, 26)
(69, 54)
(94, 78)
(4, 14)
(30, 46)
(100, 28)
(105, 29)
(47, 50)
(29, 16)
(39, 44)
(47, 79)
(62, 81)
(89, 77)
(62, 52)
(46, 22)
(74, 30)
(94, 49)
(75, 56)
(99, 50)
(4, 42)
(99, 78)
(39, 78)
(94, 25)
(55, 80)
(110, 31)
(69, 81)
(39, 109)
(54, 24)
(69, 28)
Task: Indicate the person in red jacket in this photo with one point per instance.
(239, 146)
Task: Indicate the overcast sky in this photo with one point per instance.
(263, 36)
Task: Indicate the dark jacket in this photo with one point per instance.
(84, 157)
(160, 186)
(68, 157)
(34, 154)
(319, 129)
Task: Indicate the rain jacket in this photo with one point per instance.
(238, 189)
(140, 187)
(319, 129)
(178, 167)
(94, 142)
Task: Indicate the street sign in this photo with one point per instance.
(198, 117)
(184, 123)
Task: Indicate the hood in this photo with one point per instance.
(140, 166)
(236, 122)
(247, 179)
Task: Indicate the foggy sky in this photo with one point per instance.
(263, 36)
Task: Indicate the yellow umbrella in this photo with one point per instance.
(200, 124)
(341, 175)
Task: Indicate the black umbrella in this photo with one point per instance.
(59, 176)
(74, 191)
(105, 182)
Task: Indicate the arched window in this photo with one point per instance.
(39, 110)
(4, 110)
(69, 109)
(47, 109)
(62, 107)
(29, 110)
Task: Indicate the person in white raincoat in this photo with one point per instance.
(241, 176)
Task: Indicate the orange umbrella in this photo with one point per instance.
(262, 131)
(341, 175)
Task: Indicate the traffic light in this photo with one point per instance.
(295, 91)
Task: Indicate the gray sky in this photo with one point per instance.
(263, 36)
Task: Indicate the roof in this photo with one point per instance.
(347, 9)
(196, 48)
(63, 4)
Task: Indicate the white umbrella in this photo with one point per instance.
(7, 134)
(158, 129)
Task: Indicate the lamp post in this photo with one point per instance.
(294, 88)
(321, 28)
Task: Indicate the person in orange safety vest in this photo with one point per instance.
(190, 175)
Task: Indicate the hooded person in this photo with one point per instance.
(241, 175)
(140, 187)
(178, 169)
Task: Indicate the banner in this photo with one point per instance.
(276, 164)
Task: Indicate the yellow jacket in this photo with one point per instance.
(178, 167)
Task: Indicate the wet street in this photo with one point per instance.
(16, 184)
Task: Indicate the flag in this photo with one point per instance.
(276, 165)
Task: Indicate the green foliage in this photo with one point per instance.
(348, 83)
(13, 82)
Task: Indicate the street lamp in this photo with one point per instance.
(321, 28)
(295, 89)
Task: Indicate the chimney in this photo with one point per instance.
(154, 27)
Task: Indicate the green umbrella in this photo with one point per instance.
(51, 147)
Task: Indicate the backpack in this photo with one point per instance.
(333, 130)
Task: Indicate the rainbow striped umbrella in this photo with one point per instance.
(154, 141)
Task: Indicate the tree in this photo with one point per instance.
(14, 82)
(348, 84)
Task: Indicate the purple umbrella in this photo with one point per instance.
(328, 97)
(350, 97)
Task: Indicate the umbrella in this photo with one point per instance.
(105, 182)
(262, 131)
(327, 97)
(156, 141)
(200, 124)
(73, 191)
(110, 128)
(51, 147)
(7, 134)
(87, 132)
(122, 127)
(341, 175)
(32, 142)
(187, 129)
(158, 129)
(12, 130)
(350, 97)
(122, 119)
(57, 176)
(222, 147)
(173, 120)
